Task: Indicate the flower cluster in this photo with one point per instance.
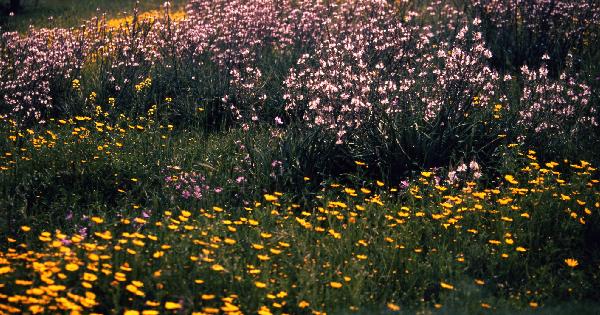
(371, 64)
(187, 184)
(32, 66)
(549, 105)
(352, 63)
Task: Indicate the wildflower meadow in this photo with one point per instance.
(300, 157)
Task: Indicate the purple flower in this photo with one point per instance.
(83, 232)
(66, 242)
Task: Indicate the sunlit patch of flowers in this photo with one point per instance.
(146, 15)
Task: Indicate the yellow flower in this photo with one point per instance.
(571, 262)
(210, 310)
(229, 308)
(480, 195)
(445, 285)
(97, 220)
(229, 241)
(426, 174)
(131, 312)
(217, 267)
(303, 304)
(260, 285)
(134, 289)
(335, 285)
(257, 246)
(5, 269)
(25, 228)
(172, 306)
(89, 276)
(270, 197)
(158, 254)
(335, 234)
(104, 235)
(564, 197)
(71, 267)
(36, 309)
(263, 257)
(511, 179)
(521, 249)
(505, 201)
(533, 304)
(393, 307)
(207, 296)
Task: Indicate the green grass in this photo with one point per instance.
(71, 13)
